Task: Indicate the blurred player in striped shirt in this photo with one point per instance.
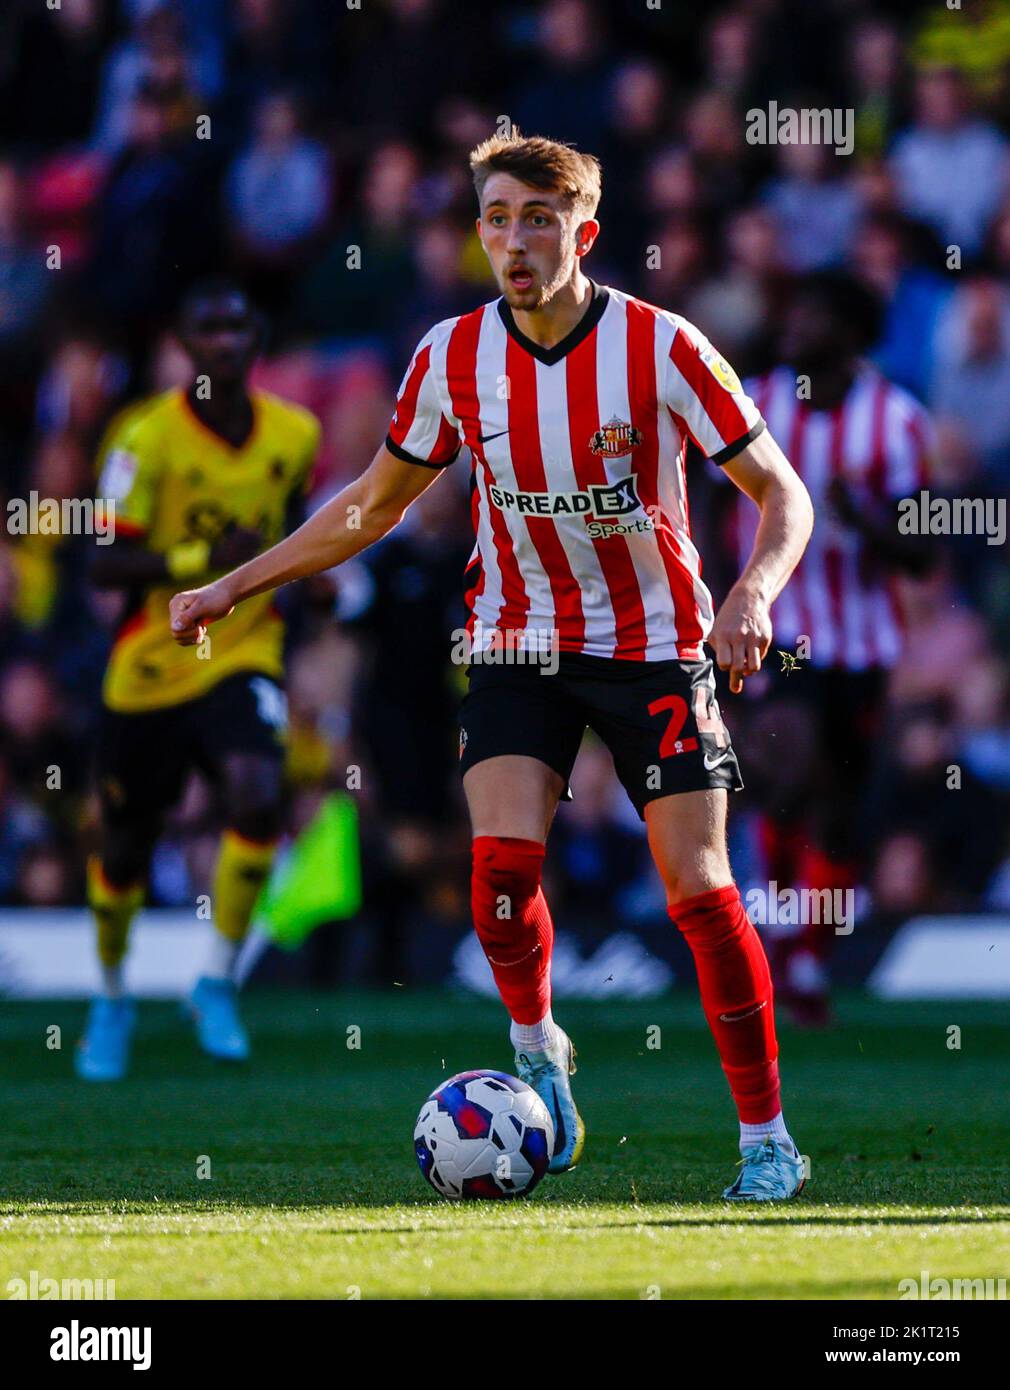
(859, 443)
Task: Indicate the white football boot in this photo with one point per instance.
(548, 1073)
(767, 1174)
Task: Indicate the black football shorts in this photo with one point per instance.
(143, 759)
(660, 720)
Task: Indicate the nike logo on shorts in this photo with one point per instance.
(712, 763)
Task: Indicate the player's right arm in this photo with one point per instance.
(356, 518)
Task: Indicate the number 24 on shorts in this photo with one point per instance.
(707, 718)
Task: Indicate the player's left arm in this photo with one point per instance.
(742, 631)
(876, 525)
(706, 396)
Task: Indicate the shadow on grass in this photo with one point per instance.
(790, 1289)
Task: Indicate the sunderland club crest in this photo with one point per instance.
(615, 438)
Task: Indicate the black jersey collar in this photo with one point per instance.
(585, 326)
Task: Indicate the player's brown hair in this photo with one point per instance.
(542, 163)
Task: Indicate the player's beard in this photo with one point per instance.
(540, 292)
(528, 300)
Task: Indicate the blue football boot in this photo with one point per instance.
(103, 1053)
(213, 1006)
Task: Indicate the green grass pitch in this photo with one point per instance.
(314, 1191)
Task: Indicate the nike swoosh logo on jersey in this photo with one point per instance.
(712, 763)
(486, 438)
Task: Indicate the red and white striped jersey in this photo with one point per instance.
(579, 497)
(878, 441)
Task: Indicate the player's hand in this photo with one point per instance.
(234, 547)
(741, 635)
(191, 611)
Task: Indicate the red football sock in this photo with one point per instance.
(513, 922)
(736, 994)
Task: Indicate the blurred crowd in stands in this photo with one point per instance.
(318, 151)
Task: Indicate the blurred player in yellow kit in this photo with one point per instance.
(201, 480)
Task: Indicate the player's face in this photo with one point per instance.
(221, 337)
(532, 240)
(811, 334)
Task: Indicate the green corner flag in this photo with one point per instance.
(319, 879)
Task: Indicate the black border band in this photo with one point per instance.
(731, 450)
(405, 457)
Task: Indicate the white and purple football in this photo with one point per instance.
(483, 1134)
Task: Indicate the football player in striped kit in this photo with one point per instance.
(575, 403)
(859, 443)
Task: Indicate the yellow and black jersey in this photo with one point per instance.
(173, 480)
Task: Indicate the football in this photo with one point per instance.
(483, 1134)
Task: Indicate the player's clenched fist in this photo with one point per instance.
(191, 611)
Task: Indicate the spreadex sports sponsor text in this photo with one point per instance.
(597, 503)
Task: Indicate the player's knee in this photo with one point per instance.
(701, 873)
(124, 869)
(126, 853)
(506, 870)
(252, 798)
(255, 818)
